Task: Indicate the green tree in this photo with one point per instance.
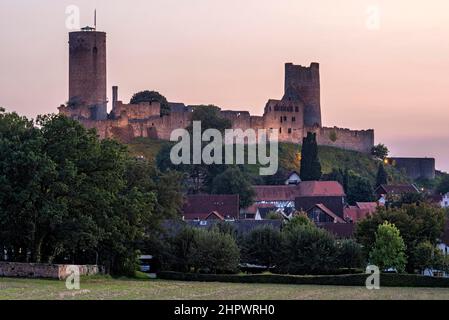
(214, 252)
(273, 215)
(300, 219)
(310, 163)
(389, 248)
(261, 246)
(306, 249)
(349, 254)
(415, 223)
(380, 151)
(426, 255)
(65, 195)
(151, 96)
(382, 175)
(210, 118)
(443, 185)
(233, 181)
(359, 189)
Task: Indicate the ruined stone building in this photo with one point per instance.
(295, 114)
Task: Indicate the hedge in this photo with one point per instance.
(386, 280)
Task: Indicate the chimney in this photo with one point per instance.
(114, 97)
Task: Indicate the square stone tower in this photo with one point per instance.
(303, 84)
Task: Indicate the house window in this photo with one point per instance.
(289, 130)
(280, 130)
(293, 119)
(285, 118)
(281, 119)
(296, 109)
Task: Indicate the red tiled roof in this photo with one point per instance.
(305, 188)
(200, 206)
(360, 211)
(370, 206)
(327, 211)
(321, 188)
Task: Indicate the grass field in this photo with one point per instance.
(110, 289)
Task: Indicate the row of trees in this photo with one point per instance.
(299, 248)
(66, 196)
(402, 239)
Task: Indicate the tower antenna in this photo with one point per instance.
(95, 19)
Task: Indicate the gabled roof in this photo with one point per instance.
(276, 193)
(215, 215)
(303, 189)
(370, 206)
(263, 212)
(200, 206)
(397, 189)
(321, 188)
(329, 212)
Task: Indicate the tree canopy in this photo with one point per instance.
(310, 163)
(66, 196)
(151, 96)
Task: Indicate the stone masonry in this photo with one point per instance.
(298, 112)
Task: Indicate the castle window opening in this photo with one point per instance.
(296, 109)
(281, 119)
(289, 130)
(285, 118)
(280, 130)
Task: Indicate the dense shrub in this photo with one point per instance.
(261, 246)
(349, 254)
(306, 249)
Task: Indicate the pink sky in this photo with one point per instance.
(231, 53)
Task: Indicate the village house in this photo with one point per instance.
(211, 207)
(360, 211)
(388, 193)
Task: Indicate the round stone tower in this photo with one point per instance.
(87, 71)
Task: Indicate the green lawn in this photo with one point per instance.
(109, 289)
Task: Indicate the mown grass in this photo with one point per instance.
(106, 288)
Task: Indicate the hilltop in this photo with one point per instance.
(289, 159)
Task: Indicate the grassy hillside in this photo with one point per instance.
(289, 158)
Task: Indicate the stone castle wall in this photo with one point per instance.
(140, 123)
(357, 140)
(415, 168)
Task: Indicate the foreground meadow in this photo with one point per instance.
(112, 289)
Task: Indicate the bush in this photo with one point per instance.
(349, 254)
(306, 249)
(214, 252)
(261, 246)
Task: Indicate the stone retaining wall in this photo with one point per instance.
(38, 270)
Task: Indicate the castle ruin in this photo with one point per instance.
(298, 112)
